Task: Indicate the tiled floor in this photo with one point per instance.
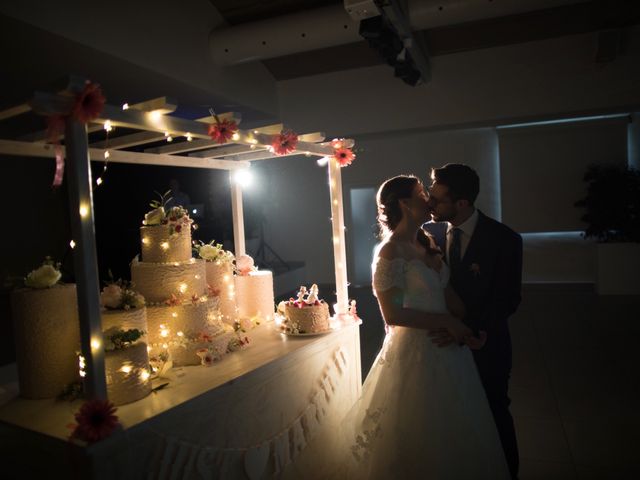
(575, 384)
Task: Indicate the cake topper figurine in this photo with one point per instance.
(301, 294)
(312, 298)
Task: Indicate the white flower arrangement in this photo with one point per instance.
(46, 276)
(214, 252)
(120, 296)
(176, 217)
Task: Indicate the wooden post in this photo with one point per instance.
(238, 216)
(85, 258)
(337, 224)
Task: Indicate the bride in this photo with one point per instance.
(423, 413)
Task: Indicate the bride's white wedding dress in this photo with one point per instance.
(423, 413)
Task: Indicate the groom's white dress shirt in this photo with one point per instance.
(467, 228)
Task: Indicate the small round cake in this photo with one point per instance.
(307, 318)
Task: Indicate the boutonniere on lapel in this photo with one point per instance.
(475, 269)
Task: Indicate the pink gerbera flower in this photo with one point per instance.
(96, 420)
(344, 156)
(222, 131)
(285, 142)
(89, 103)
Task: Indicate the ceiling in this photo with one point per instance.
(573, 19)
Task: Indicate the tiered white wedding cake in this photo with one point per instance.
(182, 319)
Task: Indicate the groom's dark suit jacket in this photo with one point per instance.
(488, 281)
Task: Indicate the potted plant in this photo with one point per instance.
(612, 216)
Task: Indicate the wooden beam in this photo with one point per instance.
(162, 105)
(140, 138)
(131, 140)
(15, 148)
(85, 257)
(15, 111)
(41, 136)
(202, 144)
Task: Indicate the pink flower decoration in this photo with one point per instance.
(222, 130)
(344, 156)
(96, 420)
(285, 142)
(89, 103)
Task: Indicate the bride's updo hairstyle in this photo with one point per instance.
(389, 212)
(388, 200)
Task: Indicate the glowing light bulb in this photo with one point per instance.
(106, 154)
(252, 147)
(189, 137)
(144, 375)
(174, 315)
(255, 131)
(169, 138)
(225, 278)
(307, 154)
(155, 116)
(182, 287)
(99, 181)
(164, 245)
(95, 343)
(145, 240)
(235, 136)
(107, 126)
(126, 369)
(197, 277)
(180, 334)
(72, 244)
(165, 346)
(125, 106)
(148, 348)
(164, 332)
(84, 210)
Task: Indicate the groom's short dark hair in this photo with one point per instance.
(462, 181)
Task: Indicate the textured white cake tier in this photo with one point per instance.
(254, 295)
(186, 329)
(134, 318)
(308, 319)
(158, 281)
(220, 278)
(132, 384)
(47, 333)
(177, 247)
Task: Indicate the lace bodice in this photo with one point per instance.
(422, 286)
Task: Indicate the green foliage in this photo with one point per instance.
(164, 198)
(124, 338)
(612, 204)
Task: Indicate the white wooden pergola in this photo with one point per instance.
(152, 122)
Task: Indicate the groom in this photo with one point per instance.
(485, 260)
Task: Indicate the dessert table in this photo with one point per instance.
(247, 416)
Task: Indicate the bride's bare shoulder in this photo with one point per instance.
(389, 250)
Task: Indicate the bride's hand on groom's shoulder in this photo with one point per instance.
(476, 343)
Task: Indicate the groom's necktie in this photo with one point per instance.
(455, 250)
